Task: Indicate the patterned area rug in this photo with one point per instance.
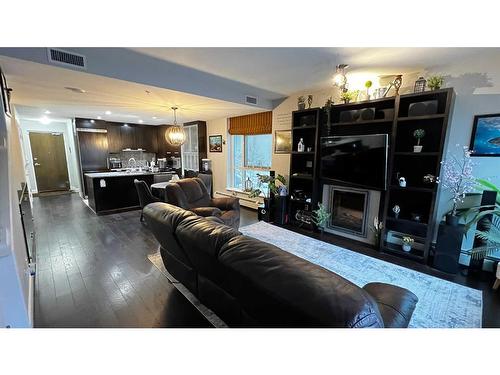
(442, 304)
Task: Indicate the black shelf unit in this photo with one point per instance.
(417, 197)
(304, 165)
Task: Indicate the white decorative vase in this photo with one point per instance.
(406, 247)
(417, 148)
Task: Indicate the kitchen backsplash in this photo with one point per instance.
(140, 157)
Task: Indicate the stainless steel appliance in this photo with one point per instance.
(114, 163)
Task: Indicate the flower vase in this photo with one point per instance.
(406, 247)
(417, 148)
(452, 220)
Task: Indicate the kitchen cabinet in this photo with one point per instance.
(128, 136)
(146, 138)
(114, 138)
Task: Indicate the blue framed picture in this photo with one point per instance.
(485, 139)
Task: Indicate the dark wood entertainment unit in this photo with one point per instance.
(417, 201)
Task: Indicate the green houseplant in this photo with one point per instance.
(418, 134)
(407, 243)
(349, 96)
(321, 217)
(435, 82)
(490, 233)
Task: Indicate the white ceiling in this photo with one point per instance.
(285, 71)
(290, 70)
(38, 87)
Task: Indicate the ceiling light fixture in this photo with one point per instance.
(92, 121)
(339, 78)
(99, 117)
(154, 117)
(45, 120)
(175, 134)
(47, 112)
(107, 112)
(140, 121)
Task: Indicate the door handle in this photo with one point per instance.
(37, 164)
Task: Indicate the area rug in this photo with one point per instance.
(205, 311)
(442, 304)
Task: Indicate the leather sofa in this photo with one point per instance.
(192, 194)
(250, 283)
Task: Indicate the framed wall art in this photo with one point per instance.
(485, 138)
(282, 141)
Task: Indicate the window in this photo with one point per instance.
(189, 150)
(251, 155)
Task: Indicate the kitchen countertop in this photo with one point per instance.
(122, 174)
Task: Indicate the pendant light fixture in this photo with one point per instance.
(175, 134)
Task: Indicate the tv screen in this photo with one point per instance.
(359, 160)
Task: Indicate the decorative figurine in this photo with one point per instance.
(402, 181)
(429, 178)
(396, 209)
(309, 101)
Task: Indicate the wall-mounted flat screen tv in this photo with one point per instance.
(358, 160)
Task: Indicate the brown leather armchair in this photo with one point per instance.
(192, 194)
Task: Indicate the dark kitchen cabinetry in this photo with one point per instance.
(114, 138)
(146, 138)
(128, 136)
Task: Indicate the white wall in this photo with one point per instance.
(16, 286)
(219, 159)
(60, 126)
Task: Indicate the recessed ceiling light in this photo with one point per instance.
(92, 121)
(99, 117)
(47, 112)
(76, 90)
(154, 117)
(140, 121)
(108, 112)
(45, 120)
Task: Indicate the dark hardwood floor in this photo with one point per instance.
(93, 271)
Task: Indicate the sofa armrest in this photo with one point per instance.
(207, 211)
(396, 304)
(226, 203)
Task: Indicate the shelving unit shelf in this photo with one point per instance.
(303, 165)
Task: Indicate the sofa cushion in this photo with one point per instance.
(396, 304)
(280, 289)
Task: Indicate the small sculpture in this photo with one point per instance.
(396, 209)
(396, 83)
(402, 181)
(309, 101)
(429, 178)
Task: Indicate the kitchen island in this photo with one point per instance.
(110, 192)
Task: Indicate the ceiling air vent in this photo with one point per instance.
(251, 100)
(60, 57)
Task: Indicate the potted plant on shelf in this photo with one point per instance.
(489, 216)
(301, 102)
(276, 185)
(348, 96)
(407, 243)
(456, 177)
(320, 217)
(418, 134)
(435, 82)
(368, 84)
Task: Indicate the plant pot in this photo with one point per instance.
(452, 220)
(406, 247)
(417, 148)
(301, 106)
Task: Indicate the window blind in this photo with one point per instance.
(257, 123)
